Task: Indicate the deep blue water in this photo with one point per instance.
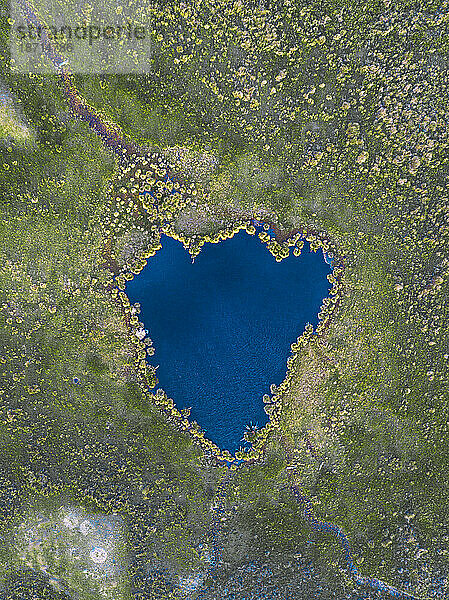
(222, 326)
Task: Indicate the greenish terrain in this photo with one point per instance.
(326, 116)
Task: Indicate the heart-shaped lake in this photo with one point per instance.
(222, 326)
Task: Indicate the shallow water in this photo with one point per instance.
(222, 326)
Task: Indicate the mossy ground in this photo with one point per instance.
(344, 135)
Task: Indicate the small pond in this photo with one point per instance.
(222, 326)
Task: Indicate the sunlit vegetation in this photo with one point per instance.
(11, 127)
(330, 123)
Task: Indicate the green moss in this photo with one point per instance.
(369, 393)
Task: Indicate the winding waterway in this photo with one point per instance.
(113, 139)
